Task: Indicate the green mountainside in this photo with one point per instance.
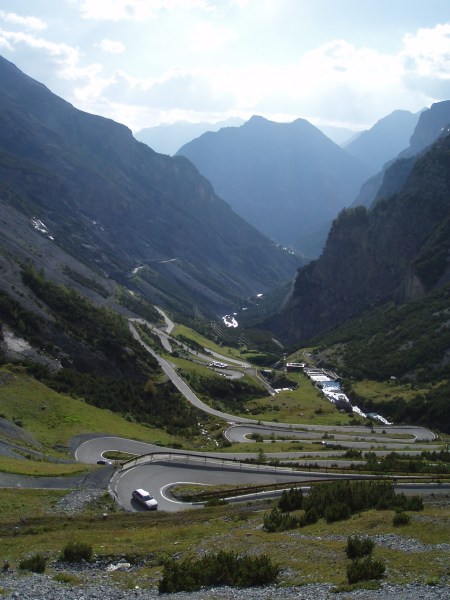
(96, 227)
(86, 195)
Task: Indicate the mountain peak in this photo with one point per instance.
(286, 179)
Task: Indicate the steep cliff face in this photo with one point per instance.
(397, 251)
(383, 142)
(432, 123)
(430, 126)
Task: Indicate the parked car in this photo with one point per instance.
(145, 499)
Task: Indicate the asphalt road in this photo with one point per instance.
(349, 437)
(419, 433)
(158, 477)
(164, 467)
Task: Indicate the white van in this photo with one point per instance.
(145, 499)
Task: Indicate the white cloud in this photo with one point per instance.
(27, 22)
(65, 55)
(427, 53)
(334, 81)
(112, 46)
(63, 60)
(115, 10)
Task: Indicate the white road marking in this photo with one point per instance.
(162, 490)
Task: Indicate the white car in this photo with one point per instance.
(145, 499)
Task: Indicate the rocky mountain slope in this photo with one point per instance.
(287, 179)
(430, 126)
(384, 141)
(398, 251)
(78, 190)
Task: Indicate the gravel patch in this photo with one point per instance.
(397, 542)
(392, 541)
(75, 501)
(37, 587)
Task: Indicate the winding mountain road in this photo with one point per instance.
(157, 469)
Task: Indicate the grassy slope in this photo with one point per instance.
(311, 554)
(206, 343)
(383, 391)
(24, 398)
(305, 404)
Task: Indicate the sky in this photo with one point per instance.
(345, 63)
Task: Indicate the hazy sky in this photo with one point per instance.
(143, 62)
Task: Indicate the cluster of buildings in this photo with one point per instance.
(329, 383)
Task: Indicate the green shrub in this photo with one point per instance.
(223, 568)
(310, 517)
(278, 521)
(401, 518)
(291, 500)
(364, 569)
(337, 512)
(77, 552)
(35, 563)
(358, 547)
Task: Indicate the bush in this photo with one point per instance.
(291, 500)
(358, 547)
(364, 569)
(309, 518)
(278, 521)
(35, 563)
(223, 568)
(337, 512)
(401, 518)
(77, 552)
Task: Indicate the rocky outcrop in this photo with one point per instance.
(397, 251)
(433, 123)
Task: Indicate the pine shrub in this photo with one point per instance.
(365, 569)
(309, 518)
(337, 512)
(291, 499)
(221, 569)
(358, 547)
(278, 521)
(401, 518)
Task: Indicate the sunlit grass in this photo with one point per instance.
(315, 553)
(52, 418)
(206, 343)
(383, 391)
(39, 468)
